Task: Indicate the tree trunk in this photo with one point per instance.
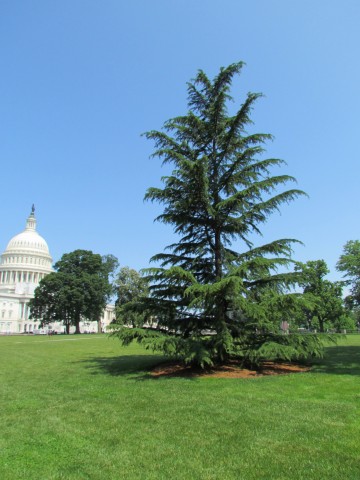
(218, 259)
(77, 326)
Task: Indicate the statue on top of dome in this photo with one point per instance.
(33, 209)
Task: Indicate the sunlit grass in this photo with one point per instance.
(85, 408)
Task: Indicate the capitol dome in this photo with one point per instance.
(28, 241)
(25, 261)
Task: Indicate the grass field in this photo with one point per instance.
(83, 407)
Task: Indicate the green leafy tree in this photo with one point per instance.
(324, 304)
(110, 266)
(131, 289)
(205, 293)
(345, 323)
(353, 310)
(349, 264)
(78, 290)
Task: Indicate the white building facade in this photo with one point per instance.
(25, 261)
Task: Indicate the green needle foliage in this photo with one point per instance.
(207, 297)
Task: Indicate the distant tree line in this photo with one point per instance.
(83, 282)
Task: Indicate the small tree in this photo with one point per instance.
(324, 298)
(78, 290)
(131, 289)
(205, 294)
(349, 264)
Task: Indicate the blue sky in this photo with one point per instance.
(82, 79)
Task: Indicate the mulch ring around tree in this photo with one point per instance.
(231, 370)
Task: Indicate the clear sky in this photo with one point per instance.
(82, 79)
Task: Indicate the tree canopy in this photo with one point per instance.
(349, 264)
(131, 288)
(78, 290)
(206, 295)
(323, 304)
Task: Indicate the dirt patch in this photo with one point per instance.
(227, 371)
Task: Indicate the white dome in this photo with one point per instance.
(28, 241)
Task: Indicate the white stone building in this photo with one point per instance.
(25, 261)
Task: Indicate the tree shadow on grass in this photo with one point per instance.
(137, 366)
(342, 360)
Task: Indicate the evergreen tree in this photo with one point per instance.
(206, 295)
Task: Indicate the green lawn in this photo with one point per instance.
(83, 407)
